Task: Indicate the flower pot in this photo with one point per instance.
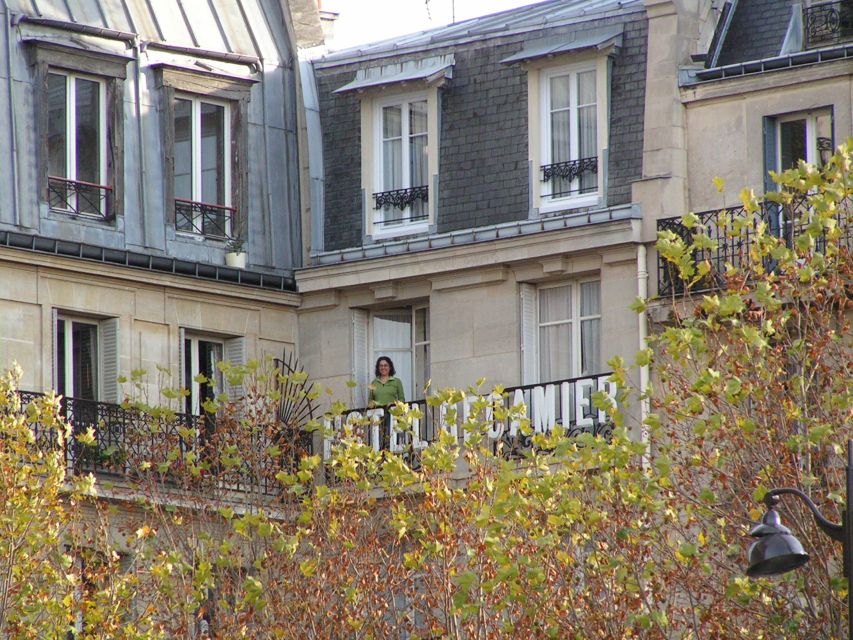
(236, 259)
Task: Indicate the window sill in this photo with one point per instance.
(557, 205)
(401, 230)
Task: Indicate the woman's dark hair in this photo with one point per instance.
(392, 371)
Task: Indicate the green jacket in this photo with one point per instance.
(386, 393)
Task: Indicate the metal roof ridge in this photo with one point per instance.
(393, 46)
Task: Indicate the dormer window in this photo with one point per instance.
(399, 144)
(569, 138)
(80, 123)
(568, 77)
(202, 168)
(401, 195)
(77, 145)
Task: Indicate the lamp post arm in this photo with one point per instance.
(834, 531)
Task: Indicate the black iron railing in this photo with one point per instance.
(568, 403)
(400, 198)
(828, 23)
(79, 198)
(201, 218)
(784, 222)
(126, 439)
(400, 207)
(571, 177)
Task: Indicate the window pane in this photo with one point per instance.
(586, 88)
(418, 161)
(57, 122)
(555, 352)
(183, 150)
(590, 346)
(422, 325)
(209, 353)
(88, 135)
(590, 298)
(417, 117)
(61, 382)
(392, 158)
(392, 329)
(212, 153)
(560, 87)
(555, 304)
(561, 137)
(823, 140)
(421, 371)
(392, 122)
(792, 143)
(84, 358)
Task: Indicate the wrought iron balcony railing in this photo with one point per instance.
(828, 23)
(79, 198)
(785, 222)
(566, 402)
(201, 218)
(126, 439)
(571, 177)
(400, 207)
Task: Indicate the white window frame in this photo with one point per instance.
(196, 178)
(405, 228)
(545, 76)
(575, 322)
(67, 322)
(71, 124)
(811, 133)
(411, 392)
(193, 359)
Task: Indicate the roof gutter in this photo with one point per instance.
(76, 27)
(253, 62)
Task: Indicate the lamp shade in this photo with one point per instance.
(776, 551)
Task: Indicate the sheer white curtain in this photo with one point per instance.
(590, 328)
(555, 333)
(587, 132)
(418, 152)
(392, 157)
(561, 127)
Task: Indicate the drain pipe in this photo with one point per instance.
(143, 170)
(13, 128)
(642, 326)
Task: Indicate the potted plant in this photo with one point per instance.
(236, 256)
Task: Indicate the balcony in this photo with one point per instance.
(400, 207)
(128, 441)
(783, 221)
(571, 177)
(828, 23)
(75, 197)
(209, 220)
(568, 403)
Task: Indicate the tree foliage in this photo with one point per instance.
(225, 527)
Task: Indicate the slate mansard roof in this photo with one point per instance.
(484, 174)
(534, 17)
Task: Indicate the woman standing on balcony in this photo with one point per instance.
(385, 388)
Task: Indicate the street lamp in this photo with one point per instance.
(777, 550)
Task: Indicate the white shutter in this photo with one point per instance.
(529, 368)
(54, 354)
(108, 335)
(181, 381)
(360, 358)
(235, 355)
